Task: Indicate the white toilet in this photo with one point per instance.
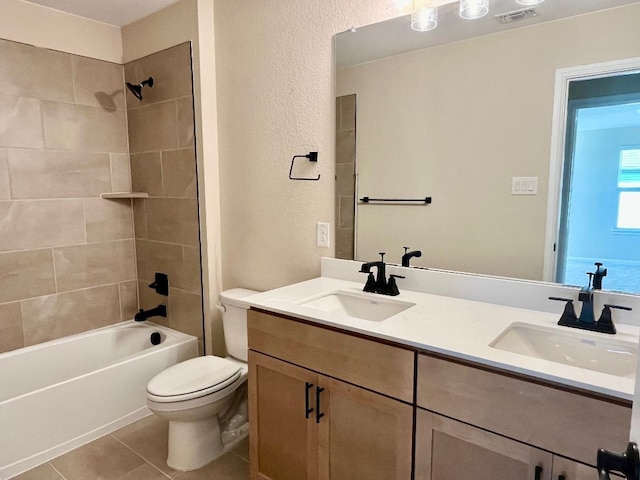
(204, 398)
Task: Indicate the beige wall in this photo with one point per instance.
(276, 99)
(67, 261)
(32, 24)
(462, 120)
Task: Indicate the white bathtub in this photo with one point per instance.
(61, 394)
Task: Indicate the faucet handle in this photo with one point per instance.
(392, 287)
(568, 317)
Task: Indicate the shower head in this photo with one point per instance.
(137, 89)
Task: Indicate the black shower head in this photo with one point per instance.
(137, 89)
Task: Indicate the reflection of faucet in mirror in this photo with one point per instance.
(406, 258)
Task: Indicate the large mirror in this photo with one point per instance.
(456, 114)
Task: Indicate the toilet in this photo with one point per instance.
(205, 398)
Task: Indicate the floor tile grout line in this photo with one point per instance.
(141, 456)
(58, 471)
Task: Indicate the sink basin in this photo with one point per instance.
(364, 307)
(579, 349)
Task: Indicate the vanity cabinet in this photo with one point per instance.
(327, 405)
(510, 424)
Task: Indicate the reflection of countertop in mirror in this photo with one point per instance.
(457, 327)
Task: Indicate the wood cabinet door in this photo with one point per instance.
(450, 450)
(283, 441)
(565, 469)
(363, 435)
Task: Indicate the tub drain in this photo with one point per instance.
(155, 338)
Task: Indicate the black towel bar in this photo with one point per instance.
(425, 200)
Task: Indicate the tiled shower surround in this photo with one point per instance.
(68, 257)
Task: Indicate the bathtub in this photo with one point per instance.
(61, 394)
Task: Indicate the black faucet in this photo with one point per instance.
(159, 311)
(379, 284)
(409, 255)
(598, 275)
(587, 320)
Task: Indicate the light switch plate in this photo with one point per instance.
(524, 185)
(323, 232)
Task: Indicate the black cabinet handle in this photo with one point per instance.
(307, 410)
(538, 473)
(319, 414)
(562, 477)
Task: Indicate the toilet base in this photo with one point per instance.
(193, 445)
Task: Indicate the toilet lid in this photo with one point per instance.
(194, 378)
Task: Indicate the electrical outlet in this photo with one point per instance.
(323, 234)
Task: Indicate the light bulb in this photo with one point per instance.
(424, 19)
(471, 9)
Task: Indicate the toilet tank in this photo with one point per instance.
(234, 321)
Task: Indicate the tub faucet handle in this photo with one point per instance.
(161, 284)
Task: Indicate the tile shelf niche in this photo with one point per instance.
(124, 195)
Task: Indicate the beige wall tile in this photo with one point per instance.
(5, 186)
(26, 274)
(28, 71)
(171, 72)
(20, 122)
(186, 132)
(190, 271)
(37, 224)
(120, 172)
(153, 128)
(128, 299)
(344, 243)
(140, 218)
(173, 220)
(161, 257)
(146, 173)
(94, 264)
(98, 83)
(345, 179)
(346, 146)
(46, 174)
(179, 173)
(185, 312)
(55, 316)
(10, 326)
(348, 112)
(74, 127)
(108, 219)
(346, 207)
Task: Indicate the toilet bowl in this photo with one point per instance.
(204, 398)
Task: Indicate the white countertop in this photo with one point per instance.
(452, 326)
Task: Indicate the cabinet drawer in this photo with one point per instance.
(376, 366)
(561, 421)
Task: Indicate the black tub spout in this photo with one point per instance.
(159, 311)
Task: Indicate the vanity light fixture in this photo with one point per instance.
(472, 9)
(424, 13)
(424, 16)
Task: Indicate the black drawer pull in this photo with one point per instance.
(307, 410)
(319, 414)
(562, 477)
(538, 473)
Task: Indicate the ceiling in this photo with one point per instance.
(395, 36)
(112, 12)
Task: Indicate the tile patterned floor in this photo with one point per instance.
(136, 452)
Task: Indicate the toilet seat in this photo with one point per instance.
(194, 378)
